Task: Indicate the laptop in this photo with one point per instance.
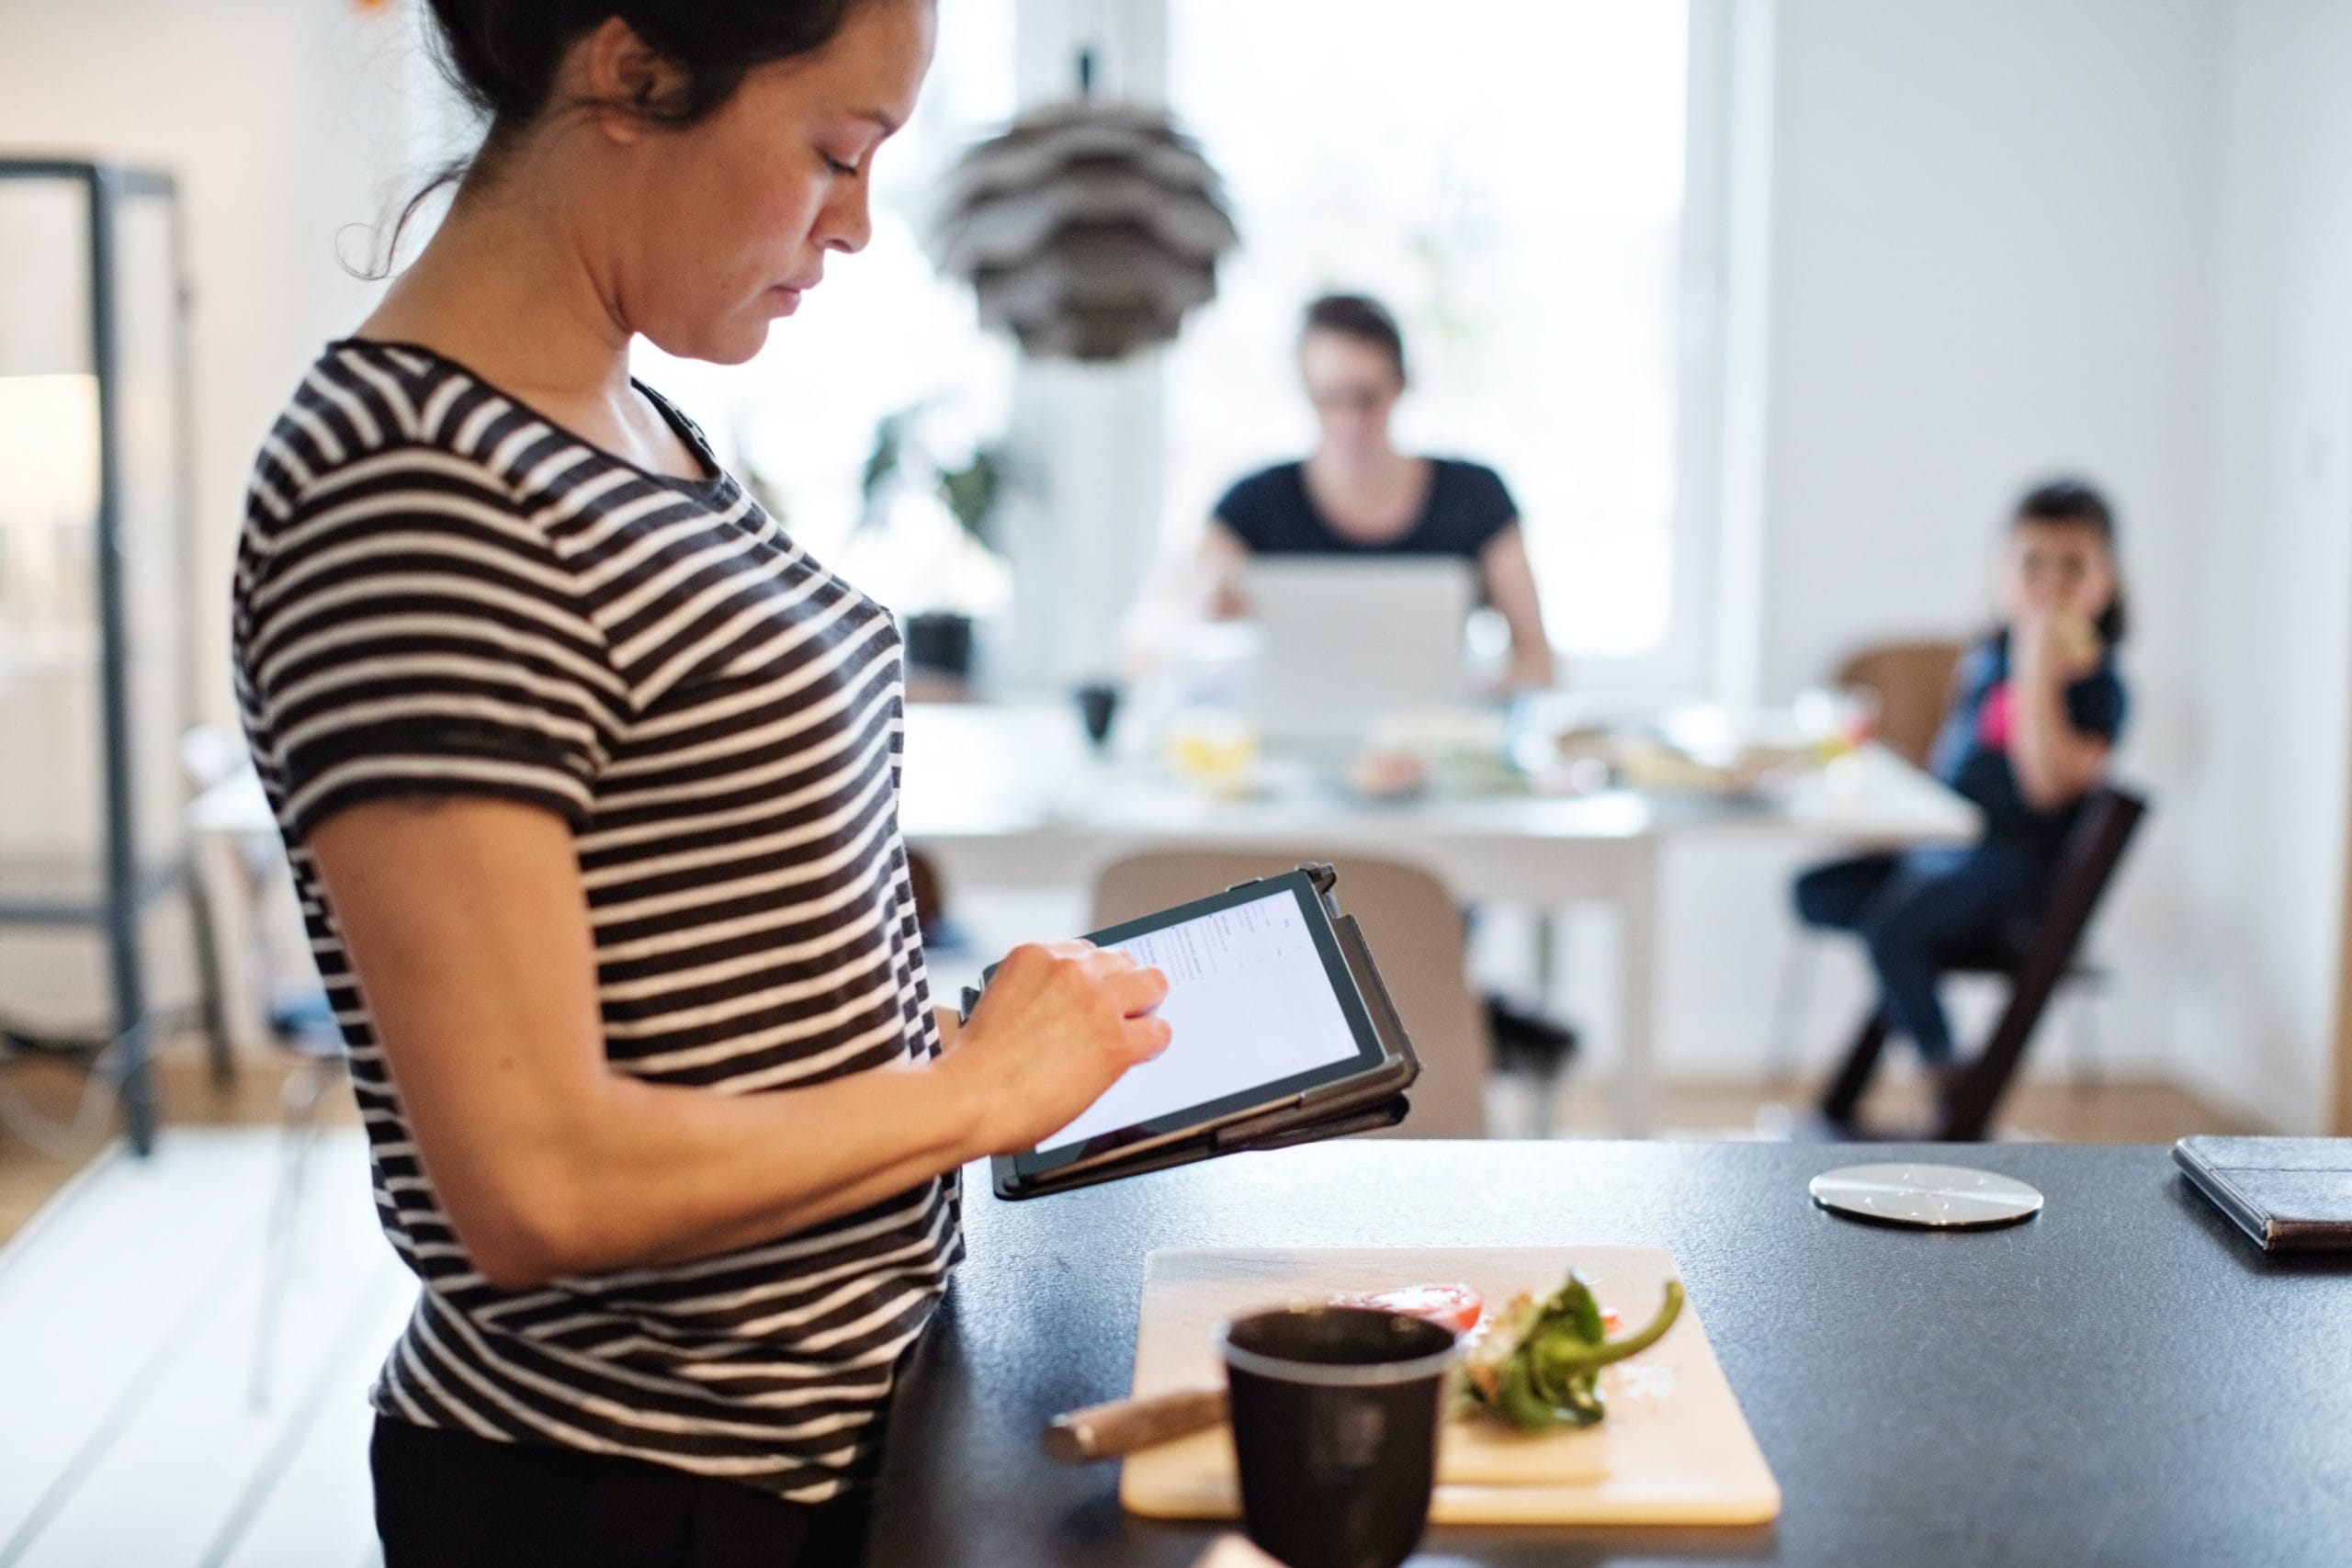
(1343, 642)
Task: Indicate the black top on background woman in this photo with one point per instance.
(1357, 494)
(589, 775)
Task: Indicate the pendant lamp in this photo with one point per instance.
(1088, 229)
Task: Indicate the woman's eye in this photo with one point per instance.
(835, 166)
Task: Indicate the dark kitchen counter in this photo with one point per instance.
(2123, 1379)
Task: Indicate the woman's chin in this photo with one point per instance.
(732, 341)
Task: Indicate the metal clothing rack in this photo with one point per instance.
(129, 883)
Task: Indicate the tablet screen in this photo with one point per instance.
(1260, 1003)
(1248, 1004)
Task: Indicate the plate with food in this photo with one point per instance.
(1587, 1391)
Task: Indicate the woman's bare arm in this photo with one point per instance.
(1214, 589)
(1511, 587)
(1184, 589)
(468, 925)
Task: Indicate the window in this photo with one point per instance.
(1509, 178)
(882, 334)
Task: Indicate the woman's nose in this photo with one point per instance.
(847, 221)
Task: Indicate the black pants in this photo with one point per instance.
(452, 1500)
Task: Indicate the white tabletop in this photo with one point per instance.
(975, 771)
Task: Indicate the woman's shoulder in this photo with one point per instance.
(368, 412)
(1474, 485)
(1276, 484)
(388, 460)
(1466, 470)
(1469, 504)
(1268, 509)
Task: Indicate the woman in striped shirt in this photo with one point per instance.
(589, 775)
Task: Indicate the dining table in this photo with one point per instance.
(1012, 796)
(2121, 1379)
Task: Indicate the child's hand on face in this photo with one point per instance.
(2060, 643)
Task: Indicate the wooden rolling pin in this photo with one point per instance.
(1120, 1426)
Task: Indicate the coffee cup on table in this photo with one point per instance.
(1335, 1413)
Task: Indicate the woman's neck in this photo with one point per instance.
(506, 288)
(501, 287)
(1382, 467)
(1371, 496)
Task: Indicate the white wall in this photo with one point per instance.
(2263, 797)
(2116, 235)
(1989, 258)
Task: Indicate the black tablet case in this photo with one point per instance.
(1277, 1130)
(2289, 1195)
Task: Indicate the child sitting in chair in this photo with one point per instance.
(2036, 708)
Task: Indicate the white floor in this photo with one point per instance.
(128, 1325)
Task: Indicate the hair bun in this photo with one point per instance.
(502, 54)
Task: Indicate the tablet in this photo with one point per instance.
(1265, 1015)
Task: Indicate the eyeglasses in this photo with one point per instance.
(1348, 399)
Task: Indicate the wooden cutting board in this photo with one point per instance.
(1674, 1450)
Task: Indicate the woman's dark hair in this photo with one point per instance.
(2076, 503)
(1361, 316)
(503, 57)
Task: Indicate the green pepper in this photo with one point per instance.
(1551, 1374)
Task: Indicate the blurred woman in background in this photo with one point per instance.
(1357, 494)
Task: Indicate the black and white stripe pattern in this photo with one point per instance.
(439, 590)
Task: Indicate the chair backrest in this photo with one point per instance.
(1913, 681)
(1415, 929)
(2093, 850)
(2103, 830)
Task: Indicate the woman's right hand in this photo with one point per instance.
(1057, 1025)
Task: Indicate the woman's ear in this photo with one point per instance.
(628, 79)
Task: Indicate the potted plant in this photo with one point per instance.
(926, 526)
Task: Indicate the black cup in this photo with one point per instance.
(1335, 1419)
(1097, 705)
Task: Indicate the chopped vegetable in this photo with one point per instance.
(1457, 1307)
(1539, 1366)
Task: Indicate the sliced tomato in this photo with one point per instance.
(1457, 1307)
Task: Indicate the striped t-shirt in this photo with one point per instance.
(440, 592)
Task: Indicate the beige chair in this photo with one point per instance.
(1913, 681)
(1416, 931)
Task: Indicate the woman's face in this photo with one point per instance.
(1353, 386)
(725, 224)
(2056, 568)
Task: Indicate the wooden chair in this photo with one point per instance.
(1913, 682)
(1416, 931)
(2034, 966)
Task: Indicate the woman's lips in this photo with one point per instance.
(785, 298)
